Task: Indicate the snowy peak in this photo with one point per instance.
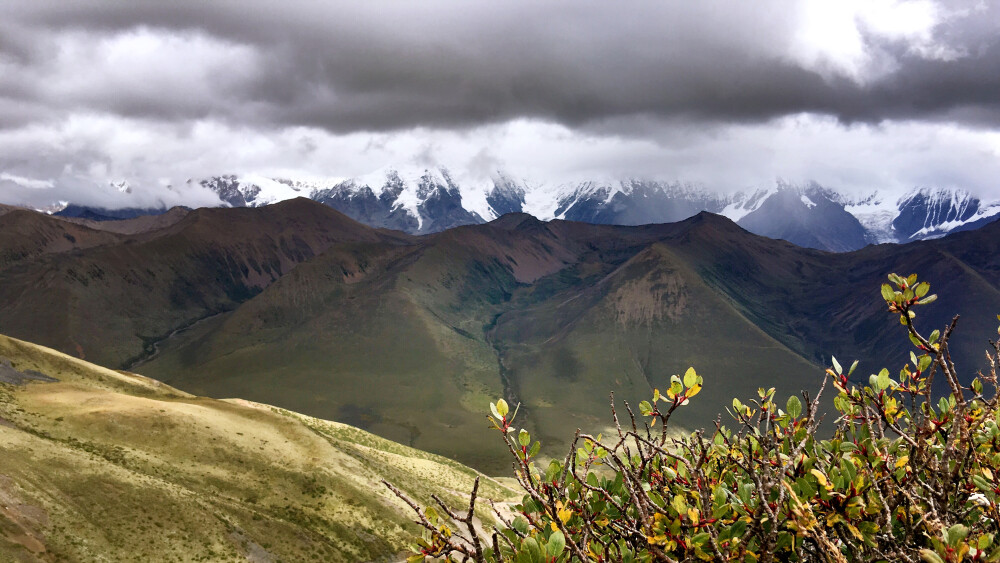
(415, 200)
(254, 190)
(929, 213)
(506, 196)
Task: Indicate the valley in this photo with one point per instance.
(409, 337)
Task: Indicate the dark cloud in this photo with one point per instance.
(859, 94)
(390, 65)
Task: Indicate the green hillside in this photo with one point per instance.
(112, 466)
(297, 306)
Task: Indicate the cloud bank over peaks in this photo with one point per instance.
(877, 93)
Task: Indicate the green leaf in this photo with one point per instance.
(535, 449)
(882, 381)
(943, 405)
(690, 378)
(531, 546)
(496, 413)
(887, 293)
(921, 289)
(502, 408)
(521, 524)
(911, 279)
(984, 541)
(785, 541)
(431, 514)
(930, 557)
(983, 484)
(552, 470)
(557, 543)
(645, 409)
(523, 438)
(927, 300)
(676, 387)
(679, 504)
(956, 534)
(793, 407)
(924, 363)
(836, 365)
(415, 558)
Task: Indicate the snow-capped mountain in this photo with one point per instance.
(416, 201)
(254, 190)
(635, 202)
(921, 213)
(422, 200)
(808, 216)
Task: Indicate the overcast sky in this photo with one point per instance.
(855, 95)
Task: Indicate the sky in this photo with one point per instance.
(856, 95)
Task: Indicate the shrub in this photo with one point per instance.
(906, 476)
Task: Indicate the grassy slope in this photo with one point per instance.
(113, 466)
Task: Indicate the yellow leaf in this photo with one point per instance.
(987, 473)
(820, 477)
(564, 515)
(694, 390)
(693, 515)
(901, 462)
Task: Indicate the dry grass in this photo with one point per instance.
(111, 466)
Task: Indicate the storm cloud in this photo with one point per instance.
(322, 75)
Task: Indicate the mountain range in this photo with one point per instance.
(425, 200)
(297, 305)
(421, 200)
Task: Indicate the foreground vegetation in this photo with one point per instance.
(906, 476)
(104, 465)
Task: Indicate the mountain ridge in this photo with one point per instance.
(427, 199)
(409, 337)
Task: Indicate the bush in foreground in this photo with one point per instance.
(906, 476)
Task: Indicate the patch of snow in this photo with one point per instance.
(745, 203)
(809, 203)
(543, 200)
(875, 211)
(945, 227)
(271, 191)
